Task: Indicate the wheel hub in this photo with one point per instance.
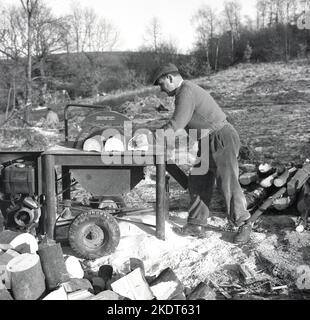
(93, 237)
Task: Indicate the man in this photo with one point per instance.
(196, 109)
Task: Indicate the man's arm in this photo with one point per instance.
(184, 109)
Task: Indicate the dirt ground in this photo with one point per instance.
(269, 106)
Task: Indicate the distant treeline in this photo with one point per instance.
(73, 55)
(97, 73)
(89, 74)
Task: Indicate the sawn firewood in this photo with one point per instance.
(167, 285)
(284, 177)
(267, 183)
(267, 204)
(298, 180)
(283, 203)
(255, 198)
(27, 278)
(247, 178)
(16, 239)
(265, 168)
(53, 264)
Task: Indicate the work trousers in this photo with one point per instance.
(224, 146)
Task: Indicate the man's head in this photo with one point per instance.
(168, 78)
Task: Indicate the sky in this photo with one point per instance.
(131, 17)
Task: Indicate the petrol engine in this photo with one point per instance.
(19, 204)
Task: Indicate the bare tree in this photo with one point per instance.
(13, 42)
(232, 20)
(106, 35)
(278, 12)
(49, 36)
(261, 8)
(13, 46)
(207, 24)
(76, 22)
(153, 34)
(89, 32)
(29, 7)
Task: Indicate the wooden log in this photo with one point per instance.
(298, 180)
(267, 204)
(5, 247)
(80, 295)
(248, 178)
(248, 167)
(142, 145)
(59, 294)
(179, 297)
(255, 198)
(93, 144)
(265, 168)
(77, 284)
(136, 263)
(16, 239)
(5, 277)
(5, 295)
(107, 295)
(133, 286)
(2, 285)
(5, 258)
(115, 144)
(105, 272)
(7, 236)
(23, 248)
(53, 264)
(267, 182)
(283, 203)
(167, 285)
(284, 177)
(12, 253)
(202, 292)
(74, 267)
(27, 277)
(98, 284)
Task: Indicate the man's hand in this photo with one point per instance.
(139, 141)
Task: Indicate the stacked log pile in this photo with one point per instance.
(48, 274)
(266, 187)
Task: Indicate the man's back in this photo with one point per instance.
(195, 108)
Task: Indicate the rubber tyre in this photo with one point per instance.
(94, 234)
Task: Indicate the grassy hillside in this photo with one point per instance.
(268, 104)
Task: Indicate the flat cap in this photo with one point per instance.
(166, 69)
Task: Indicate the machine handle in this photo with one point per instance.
(66, 111)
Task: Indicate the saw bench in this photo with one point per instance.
(93, 232)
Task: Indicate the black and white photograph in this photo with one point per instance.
(154, 154)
